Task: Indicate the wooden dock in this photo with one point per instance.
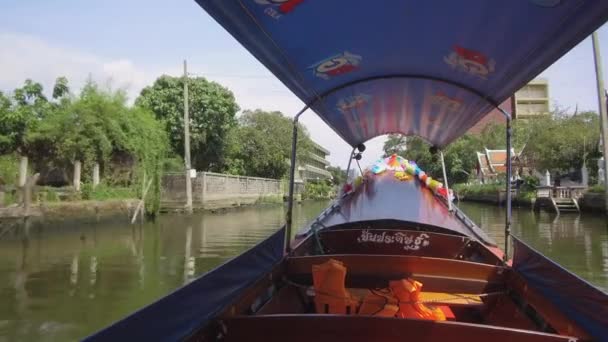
(559, 199)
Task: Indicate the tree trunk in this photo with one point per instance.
(77, 166)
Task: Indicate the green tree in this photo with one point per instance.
(212, 110)
(261, 145)
(61, 88)
(6, 139)
(460, 157)
(558, 142)
(395, 144)
(563, 142)
(19, 114)
(85, 130)
(338, 175)
(95, 126)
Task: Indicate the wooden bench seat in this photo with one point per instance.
(436, 274)
(435, 298)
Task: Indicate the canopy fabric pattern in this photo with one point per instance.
(427, 68)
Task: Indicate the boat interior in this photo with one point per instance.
(469, 283)
(344, 277)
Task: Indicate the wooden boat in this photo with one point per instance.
(431, 69)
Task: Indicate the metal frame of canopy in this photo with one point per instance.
(294, 141)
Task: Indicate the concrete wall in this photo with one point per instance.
(214, 190)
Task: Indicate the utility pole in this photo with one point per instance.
(601, 94)
(187, 143)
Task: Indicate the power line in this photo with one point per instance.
(264, 90)
(233, 76)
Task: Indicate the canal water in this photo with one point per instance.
(64, 281)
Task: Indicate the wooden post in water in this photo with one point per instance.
(601, 94)
(140, 205)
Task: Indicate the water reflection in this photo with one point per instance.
(577, 242)
(61, 282)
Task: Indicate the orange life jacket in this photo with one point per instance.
(379, 303)
(408, 293)
(402, 299)
(330, 294)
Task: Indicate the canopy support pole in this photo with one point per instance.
(292, 175)
(508, 200)
(350, 160)
(445, 180)
(601, 94)
(508, 216)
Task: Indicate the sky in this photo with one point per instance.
(127, 44)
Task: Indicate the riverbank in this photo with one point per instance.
(500, 199)
(114, 210)
(80, 211)
(589, 202)
(593, 202)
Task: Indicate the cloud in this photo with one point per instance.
(25, 56)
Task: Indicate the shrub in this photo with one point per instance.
(52, 196)
(596, 188)
(477, 189)
(318, 190)
(529, 183)
(9, 169)
(104, 192)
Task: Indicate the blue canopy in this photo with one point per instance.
(428, 68)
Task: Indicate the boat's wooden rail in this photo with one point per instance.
(322, 328)
(437, 275)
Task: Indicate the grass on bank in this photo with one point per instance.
(464, 190)
(597, 189)
(472, 190)
(103, 192)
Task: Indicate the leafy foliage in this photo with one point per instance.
(9, 169)
(212, 111)
(93, 127)
(460, 157)
(318, 190)
(563, 142)
(261, 145)
(395, 144)
(478, 189)
(558, 143)
(598, 188)
(104, 192)
(338, 175)
(19, 114)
